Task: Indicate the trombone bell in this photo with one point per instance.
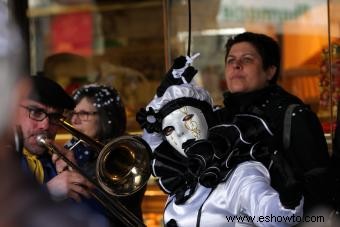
(123, 165)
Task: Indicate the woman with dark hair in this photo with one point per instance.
(106, 107)
(100, 114)
(252, 68)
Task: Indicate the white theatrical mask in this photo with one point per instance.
(184, 124)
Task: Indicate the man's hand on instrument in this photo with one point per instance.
(59, 163)
(69, 184)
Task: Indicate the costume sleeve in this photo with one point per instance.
(308, 156)
(259, 200)
(241, 140)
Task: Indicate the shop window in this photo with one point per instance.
(118, 43)
(305, 30)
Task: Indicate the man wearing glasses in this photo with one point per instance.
(38, 115)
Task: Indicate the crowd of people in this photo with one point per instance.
(263, 154)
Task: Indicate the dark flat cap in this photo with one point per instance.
(50, 93)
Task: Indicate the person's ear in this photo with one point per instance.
(270, 72)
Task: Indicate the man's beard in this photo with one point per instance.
(32, 145)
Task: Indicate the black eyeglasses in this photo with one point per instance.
(38, 114)
(82, 115)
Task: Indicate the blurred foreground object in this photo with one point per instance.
(23, 203)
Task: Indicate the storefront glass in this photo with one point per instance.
(301, 27)
(131, 44)
(118, 43)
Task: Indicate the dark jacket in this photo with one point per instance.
(24, 204)
(307, 153)
(47, 164)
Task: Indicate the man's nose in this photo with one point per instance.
(45, 124)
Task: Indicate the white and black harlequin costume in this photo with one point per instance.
(228, 182)
(307, 153)
(245, 194)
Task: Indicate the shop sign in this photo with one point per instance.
(274, 11)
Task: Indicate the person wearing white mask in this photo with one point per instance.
(207, 182)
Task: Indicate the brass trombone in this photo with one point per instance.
(122, 168)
